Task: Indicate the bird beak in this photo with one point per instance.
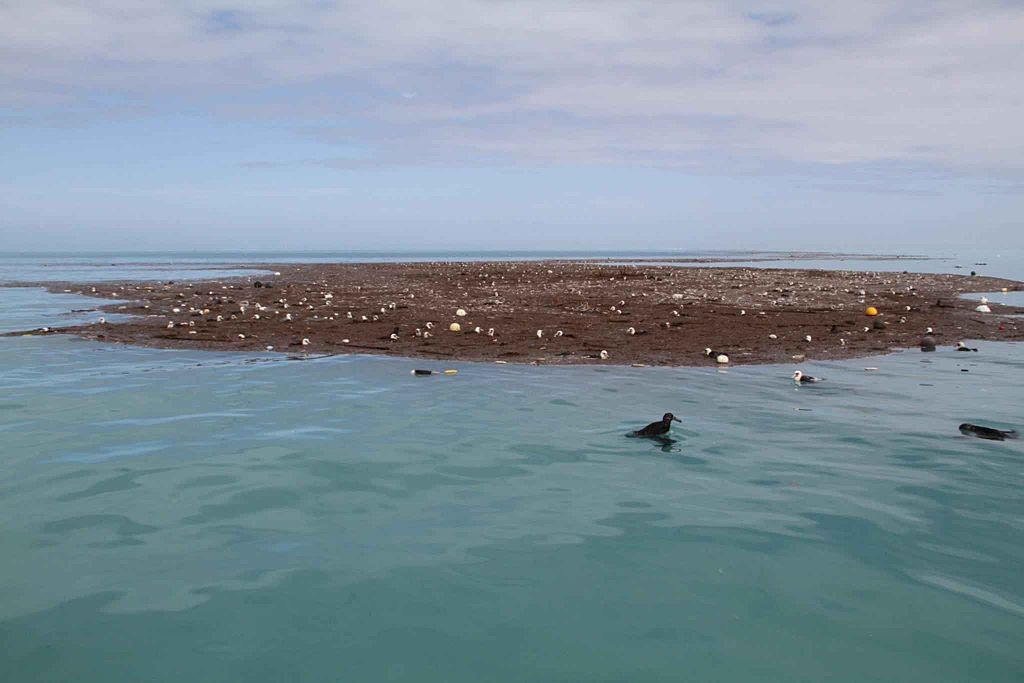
(676, 419)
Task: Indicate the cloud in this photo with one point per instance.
(683, 84)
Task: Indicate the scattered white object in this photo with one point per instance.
(677, 296)
(773, 336)
(721, 359)
(540, 334)
(241, 336)
(559, 333)
(455, 327)
(461, 313)
(870, 369)
(807, 338)
(983, 309)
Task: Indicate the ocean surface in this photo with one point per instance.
(170, 516)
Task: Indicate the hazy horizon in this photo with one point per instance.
(284, 126)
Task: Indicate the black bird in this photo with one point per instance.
(960, 346)
(990, 433)
(659, 428)
(927, 343)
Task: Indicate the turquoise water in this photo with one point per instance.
(184, 516)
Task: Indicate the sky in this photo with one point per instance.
(510, 124)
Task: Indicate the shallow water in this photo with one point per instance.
(174, 515)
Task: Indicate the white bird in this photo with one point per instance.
(394, 337)
(604, 355)
(540, 334)
(305, 341)
(170, 325)
(801, 378)
(559, 333)
(430, 326)
(807, 338)
(490, 331)
(103, 321)
(631, 330)
(349, 315)
(287, 316)
(477, 329)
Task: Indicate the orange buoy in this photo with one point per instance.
(871, 310)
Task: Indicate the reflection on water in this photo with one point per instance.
(174, 515)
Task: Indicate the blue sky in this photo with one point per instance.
(468, 124)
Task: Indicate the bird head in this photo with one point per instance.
(669, 417)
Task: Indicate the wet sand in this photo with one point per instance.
(674, 312)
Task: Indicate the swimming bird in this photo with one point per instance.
(718, 356)
(659, 428)
(960, 346)
(927, 343)
(801, 378)
(990, 433)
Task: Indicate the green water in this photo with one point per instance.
(183, 516)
